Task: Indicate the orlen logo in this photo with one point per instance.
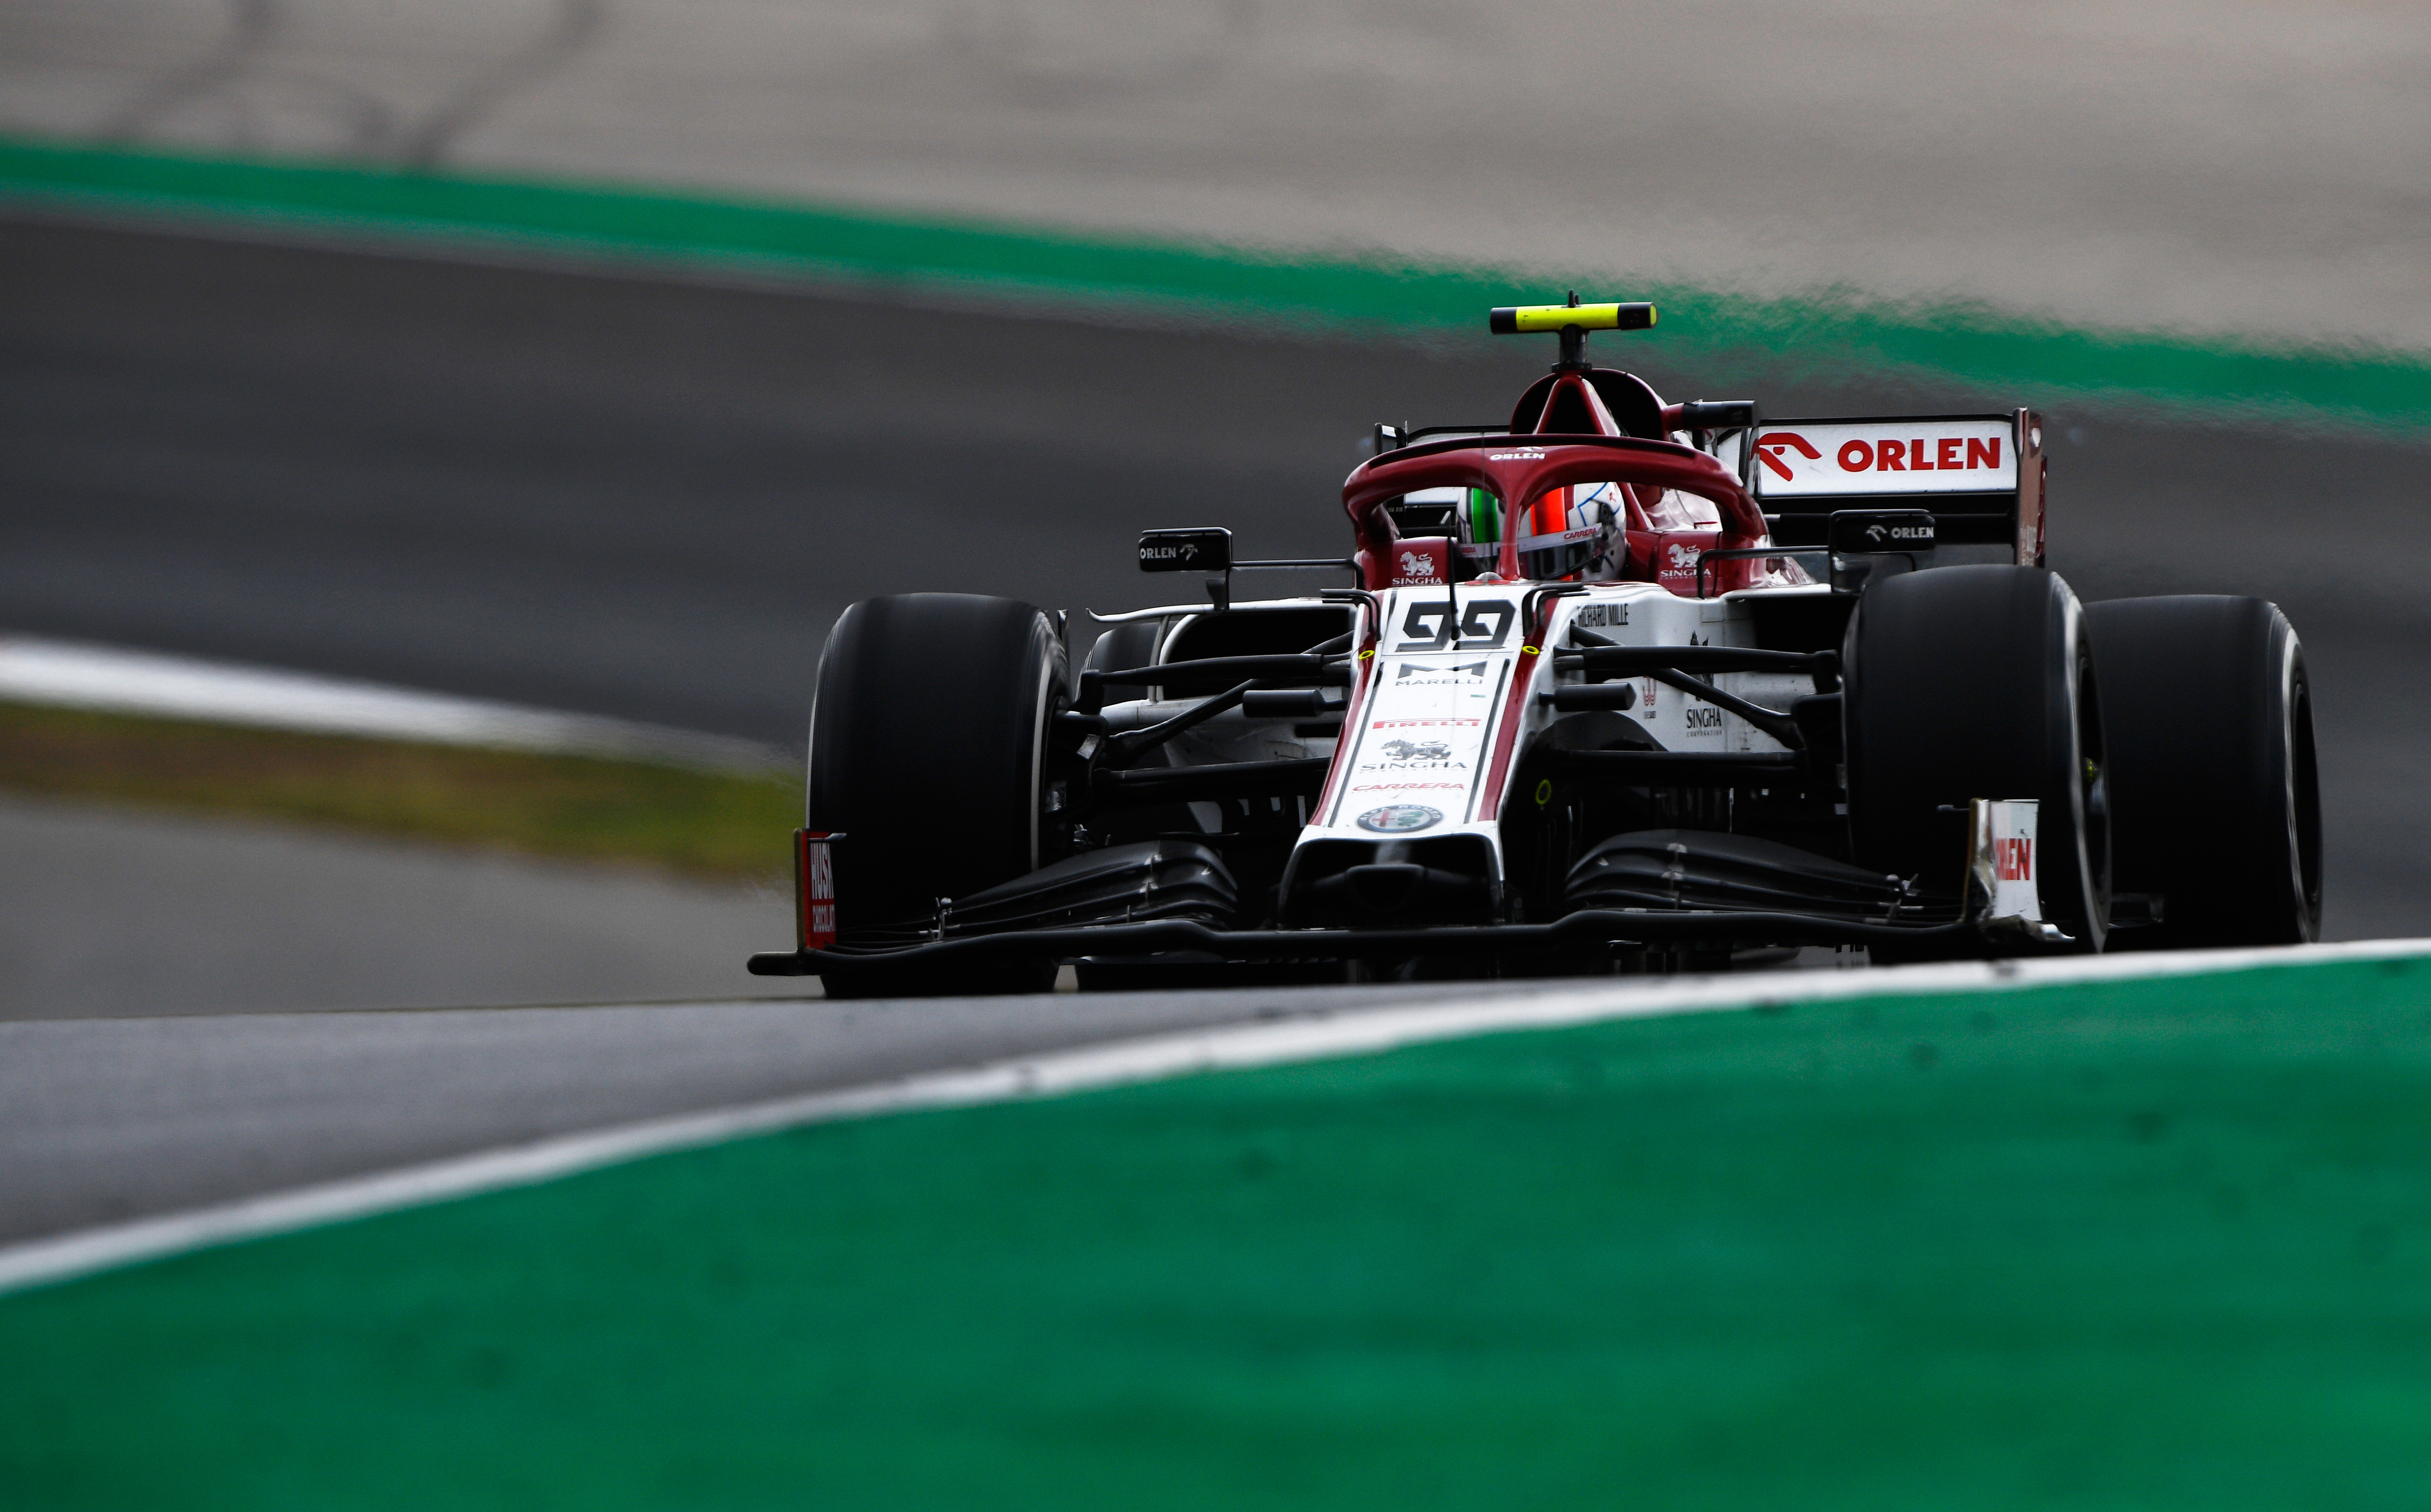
(1768, 450)
(1919, 456)
(1529, 455)
(2014, 860)
(1882, 534)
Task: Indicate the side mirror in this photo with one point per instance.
(1207, 548)
(1717, 414)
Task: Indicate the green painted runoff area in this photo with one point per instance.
(2155, 1243)
(1822, 330)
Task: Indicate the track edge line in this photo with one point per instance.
(70, 1256)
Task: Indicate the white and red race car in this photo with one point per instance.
(1622, 684)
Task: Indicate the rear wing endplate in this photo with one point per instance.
(1980, 475)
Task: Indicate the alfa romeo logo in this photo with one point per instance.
(1400, 818)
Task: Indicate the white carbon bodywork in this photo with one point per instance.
(1431, 728)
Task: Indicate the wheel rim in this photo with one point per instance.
(2304, 794)
(1039, 720)
(2082, 781)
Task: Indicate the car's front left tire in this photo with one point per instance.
(928, 752)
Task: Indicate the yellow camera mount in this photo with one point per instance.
(1572, 321)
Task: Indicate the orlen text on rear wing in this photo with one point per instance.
(1980, 475)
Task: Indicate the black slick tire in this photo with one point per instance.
(1977, 682)
(927, 752)
(2210, 720)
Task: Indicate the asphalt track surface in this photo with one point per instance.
(106, 912)
(110, 1119)
(619, 496)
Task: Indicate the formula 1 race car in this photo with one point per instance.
(1622, 685)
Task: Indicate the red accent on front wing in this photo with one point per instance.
(1354, 714)
(1515, 712)
(814, 921)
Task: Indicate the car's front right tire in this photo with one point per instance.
(1977, 682)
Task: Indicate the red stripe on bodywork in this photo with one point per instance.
(1515, 709)
(1354, 716)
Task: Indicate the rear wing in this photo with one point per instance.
(1980, 475)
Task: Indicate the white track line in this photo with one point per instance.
(43, 1262)
(108, 678)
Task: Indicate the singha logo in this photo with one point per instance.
(1422, 750)
(1414, 565)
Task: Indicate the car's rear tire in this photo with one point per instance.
(1977, 682)
(927, 750)
(2209, 722)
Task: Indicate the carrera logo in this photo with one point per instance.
(1919, 456)
(2013, 860)
(1421, 724)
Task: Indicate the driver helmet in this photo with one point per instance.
(1575, 530)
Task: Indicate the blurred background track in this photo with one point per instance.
(2248, 168)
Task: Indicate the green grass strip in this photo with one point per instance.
(2138, 1244)
(1821, 332)
(712, 824)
